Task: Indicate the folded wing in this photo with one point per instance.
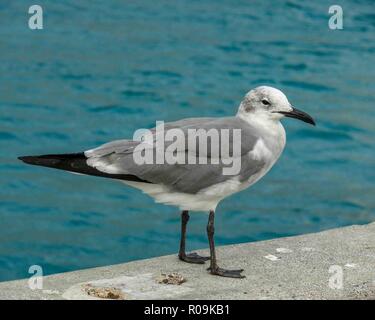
(117, 157)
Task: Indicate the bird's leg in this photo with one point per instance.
(214, 269)
(191, 257)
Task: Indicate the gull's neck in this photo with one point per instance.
(270, 130)
(261, 122)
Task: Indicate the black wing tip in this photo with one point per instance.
(74, 162)
(27, 159)
(51, 157)
(35, 160)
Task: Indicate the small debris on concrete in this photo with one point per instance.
(284, 250)
(103, 292)
(51, 291)
(272, 257)
(171, 278)
(351, 265)
(363, 291)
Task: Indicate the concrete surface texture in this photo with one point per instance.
(334, 264)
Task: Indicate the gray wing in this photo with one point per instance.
(117, 157)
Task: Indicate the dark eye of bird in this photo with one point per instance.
(265, 102)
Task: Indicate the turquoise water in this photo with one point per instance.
(101, 69)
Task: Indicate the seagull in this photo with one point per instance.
(194, 186)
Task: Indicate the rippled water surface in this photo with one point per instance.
(101, 69)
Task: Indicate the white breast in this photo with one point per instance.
(267, 149)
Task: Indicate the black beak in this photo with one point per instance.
(298, 114)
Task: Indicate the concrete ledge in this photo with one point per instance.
(285, 268)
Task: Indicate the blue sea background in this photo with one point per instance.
(99, 70)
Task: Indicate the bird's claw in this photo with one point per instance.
(193, 258)
(226, 273)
